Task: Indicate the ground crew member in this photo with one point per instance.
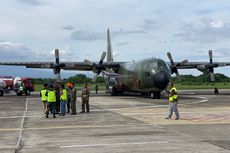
(21, 89)
(58, 101)
(96, 88)
(85, 98)
(216, 91)
(63, 99)
(73, 100)
(43, 96)
(173, 100)
(51, 101)
(69, 95)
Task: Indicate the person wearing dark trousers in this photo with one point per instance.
(51, 101)
(96, 88)
(73, 100)
(85, 98)
(69, 95)
(57, 90)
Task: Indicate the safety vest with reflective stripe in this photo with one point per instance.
(51, 96)
(64, 94)
(43, 94)
(173, 98)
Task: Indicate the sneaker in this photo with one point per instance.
(82, 112)
(167, 118)
(177, 118)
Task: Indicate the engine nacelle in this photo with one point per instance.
(201, 67)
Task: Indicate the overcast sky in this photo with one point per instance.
(31, 29)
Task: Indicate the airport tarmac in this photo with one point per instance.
(122, 124)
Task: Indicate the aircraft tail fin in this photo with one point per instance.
(109, 48)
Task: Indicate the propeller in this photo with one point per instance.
(174, 66)
(97, 67)
(211, 67)
(57, 66)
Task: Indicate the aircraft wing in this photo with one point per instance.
(80, 66)
(205, 67)
(199, 65)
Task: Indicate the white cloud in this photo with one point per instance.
(216, 24)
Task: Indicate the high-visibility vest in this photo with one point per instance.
(43, 94)
(21, 88)
(51, 96)
(173, 98)
(64, 94)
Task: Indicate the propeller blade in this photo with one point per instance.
(88, 62)
(212, 77)
(102, 57)
(170, 58)
(210, 56)
(95, 77)
(178, 76)
(57, 56)
(58, 77)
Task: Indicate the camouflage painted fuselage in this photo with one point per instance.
(146, 75)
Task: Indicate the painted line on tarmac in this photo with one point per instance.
(88, 126)
(21, 127)
(115, 144)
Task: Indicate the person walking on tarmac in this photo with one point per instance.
(85, 98)
(43, 96)
(63, 99)
(96, 88)
(173, 100)
(51, 101)
(73, 100)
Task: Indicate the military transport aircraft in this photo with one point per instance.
(148, 76)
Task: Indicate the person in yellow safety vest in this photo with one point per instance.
(173, 100)
(21, 89)
(43, 96)
(63, 98)
(51, 101)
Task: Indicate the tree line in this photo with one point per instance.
(185, 79)
(77, 79)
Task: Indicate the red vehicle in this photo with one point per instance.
(23, 86)
(19, 85)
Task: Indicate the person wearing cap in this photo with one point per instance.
(63, 99)
(73, 100)
(69, 95)
(43, 96)
(51, 101)
(173, 101)
(85, 98)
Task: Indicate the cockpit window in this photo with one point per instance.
(150, 65)
(162, 65)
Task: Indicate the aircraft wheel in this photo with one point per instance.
(158, 95)
(114, 92)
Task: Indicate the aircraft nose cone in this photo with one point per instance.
(161, 80)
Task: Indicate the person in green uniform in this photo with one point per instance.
(85, 98)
